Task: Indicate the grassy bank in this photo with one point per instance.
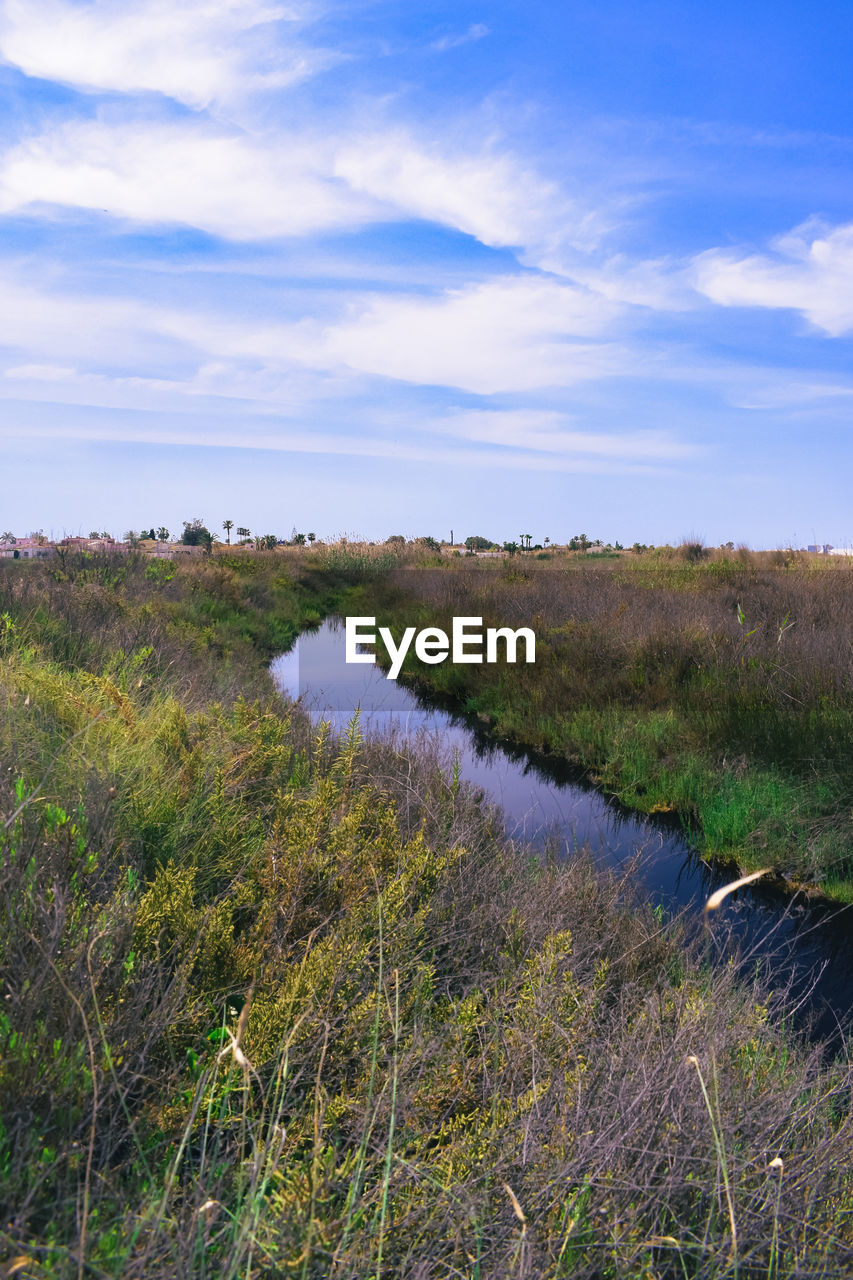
(279, 1005)
(720, 691)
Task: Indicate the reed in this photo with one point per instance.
(718, 690)
(276, 1003)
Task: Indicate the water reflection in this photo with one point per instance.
(545, 800)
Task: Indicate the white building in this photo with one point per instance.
(26, 549)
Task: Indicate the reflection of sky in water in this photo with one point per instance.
(316, 672)
(539, 808)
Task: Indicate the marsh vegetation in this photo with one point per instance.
(720, 690)
(279, 1003)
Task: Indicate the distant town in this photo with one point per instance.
(197, 539)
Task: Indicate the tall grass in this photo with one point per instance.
(718, 690)
(278, 1004)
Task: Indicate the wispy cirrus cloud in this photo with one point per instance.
(550, 432)
(251, 174)
(149, 359)
(154, 412)
(293, 438)
(810, 270)
(486, 192)
(512, 334)
(193, 173)
(194, 52)
(290, 183)
(50, 327)
(476, 31)
(658, 284)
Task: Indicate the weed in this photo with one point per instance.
(276, 1003)
(718, 690)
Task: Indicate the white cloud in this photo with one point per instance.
(218, 391)
(289, 184)
(811, 271)
(512, 334)
(544, 431)
(476, 31)
(769, 390)
(230, 185)
(48, 326)
(660, 284)
(288, 437)
(519, 333)
(40, 373)
(275, 180)
(194, 51)
(484, 193)
(123, 355)
(55, 329)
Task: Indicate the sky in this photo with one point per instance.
(379, 267)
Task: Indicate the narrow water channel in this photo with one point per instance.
(546, 800)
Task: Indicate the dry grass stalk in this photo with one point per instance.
(719, 896)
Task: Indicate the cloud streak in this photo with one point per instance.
(810, 271)
(476, 31)
(294, 438)
(194, 52)
(513, 334)
(552, 433)
(193, 174)
(285, 183)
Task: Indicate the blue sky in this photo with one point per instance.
(368, 268)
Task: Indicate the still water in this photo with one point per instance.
(545, 800)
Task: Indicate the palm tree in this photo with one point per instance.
(312, 537)
(228, 525)
(243, 532)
